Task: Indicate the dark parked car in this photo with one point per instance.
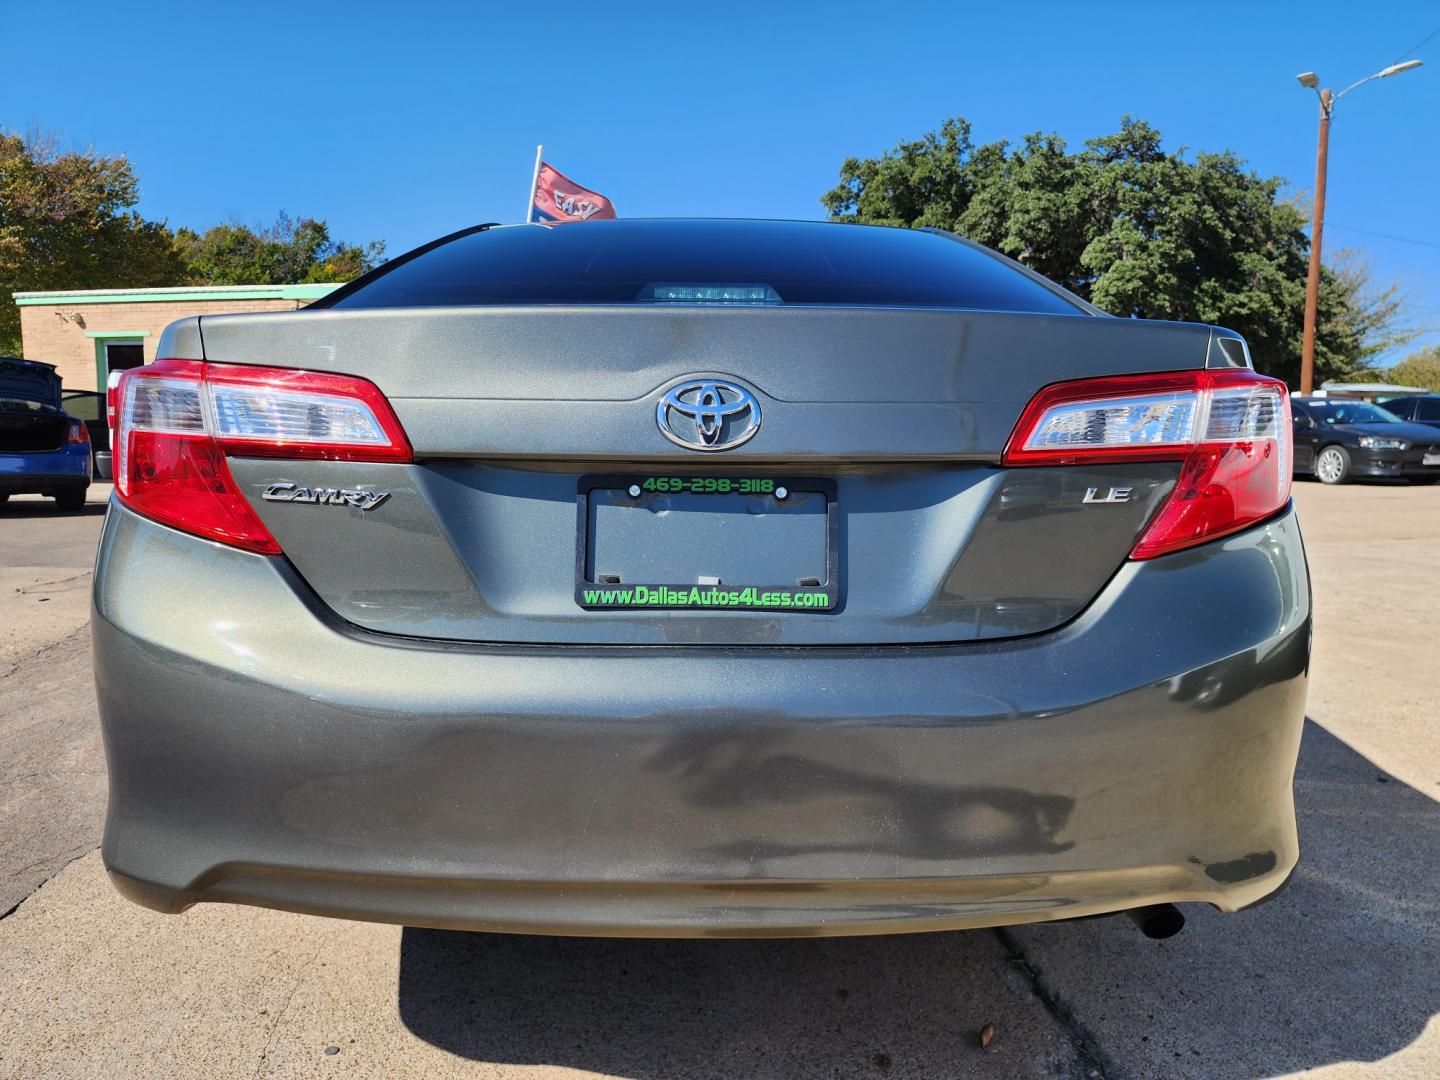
(701, 578)
(1418, 408)
(1337, 439)
(43, 450)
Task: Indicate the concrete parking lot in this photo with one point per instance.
(1340, 974)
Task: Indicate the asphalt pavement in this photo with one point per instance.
(1339, 974)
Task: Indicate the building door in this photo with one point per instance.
(123, 355)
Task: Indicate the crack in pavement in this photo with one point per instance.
(37, 585)
(41, 650)
(52, 779)
(58, 871)
(1095, 1063)
(300, 978)
(50, 774)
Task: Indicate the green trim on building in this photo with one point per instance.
(116, 333)
(184, 294)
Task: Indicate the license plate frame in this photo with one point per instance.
(759, 597)
(1432, 458)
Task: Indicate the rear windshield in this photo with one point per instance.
(10, 402)
(716, 263)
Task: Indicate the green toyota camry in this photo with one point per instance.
(701, 578)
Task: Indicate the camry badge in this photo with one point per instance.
(707, 414)
(360, 498)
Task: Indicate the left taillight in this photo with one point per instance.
(1230, 431)
(176, 420)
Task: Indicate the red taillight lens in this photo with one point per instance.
(183, 481)
(112, 392)
(177, 419)
(77, 435)
(1229, 429)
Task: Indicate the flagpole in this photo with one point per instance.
(534, 185)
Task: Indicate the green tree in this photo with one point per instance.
(66, 223)
(1418, 369)
(291, 250)
(1136, 230)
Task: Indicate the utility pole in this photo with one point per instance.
(1317, 232)
(1311, 81)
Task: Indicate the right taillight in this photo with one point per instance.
(177, 419)
(1229, 430)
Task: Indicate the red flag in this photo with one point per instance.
(558, 198)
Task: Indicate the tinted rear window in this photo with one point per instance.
(1403, 408)
(624, 262)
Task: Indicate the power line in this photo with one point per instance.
(1421, 44)
(1386, 236)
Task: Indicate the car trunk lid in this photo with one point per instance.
(30, 416)
(29, 380)
(893, 419)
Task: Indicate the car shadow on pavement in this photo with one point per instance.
(31, 508)
(1343, 965)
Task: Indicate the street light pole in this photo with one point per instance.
(1311, 81)
(1317, 231)
(1312, 285)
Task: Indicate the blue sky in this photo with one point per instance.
(402, 122)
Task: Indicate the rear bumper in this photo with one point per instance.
(46, 471)
(262, 752)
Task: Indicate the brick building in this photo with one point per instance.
(90, 333)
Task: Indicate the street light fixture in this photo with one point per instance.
(1311, 81)
(1404, 65)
